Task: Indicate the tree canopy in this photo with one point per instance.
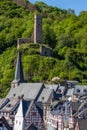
(63, 31)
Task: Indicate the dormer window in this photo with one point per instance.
(59, 90)
(85, 90)
(9, 105)
(14, 94)
(78, 90)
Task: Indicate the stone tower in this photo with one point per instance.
(38, 29)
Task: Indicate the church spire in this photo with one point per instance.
(19, 71)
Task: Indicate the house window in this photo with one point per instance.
(85, 90)
(78, 90)
(59, 90)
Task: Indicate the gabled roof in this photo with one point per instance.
(31, 91)
(3, 102)
(52, 86)
(8, 107)
(39, 107)
(46, 95)
(61, 90)
(80, 89)
(70, 92)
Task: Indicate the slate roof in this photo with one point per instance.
(19, 71)
(32, 127)
(23, 107)
(72, 83)
(2, 100)
(46, 95)
(75, 106)
(70, 92)
(52, 86)
(80, 89)
(82, 123)
(61, 90)
(10, 105)
(30, 91)
(39, 107)
(56, 108)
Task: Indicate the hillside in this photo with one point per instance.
(68, 38)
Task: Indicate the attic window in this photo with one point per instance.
(59, 90)
(42, 98)
(9, 105)
(85, 90)
(14, 94)
(78, 90)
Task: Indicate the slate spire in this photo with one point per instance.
(19, 70)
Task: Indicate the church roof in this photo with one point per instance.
(3, 102)
(80, 89)
(30, 91)
(75, 106)
(52, 86)
(9, 106)
(19, 71)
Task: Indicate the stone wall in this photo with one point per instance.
(23, 40)
(38, 29)
(45, 51)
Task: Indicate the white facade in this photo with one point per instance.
(19, 119)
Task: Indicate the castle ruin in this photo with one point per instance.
(37, 37)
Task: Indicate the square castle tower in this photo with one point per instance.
(37, 33)
(38, 29)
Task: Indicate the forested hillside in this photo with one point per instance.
(65, 32)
